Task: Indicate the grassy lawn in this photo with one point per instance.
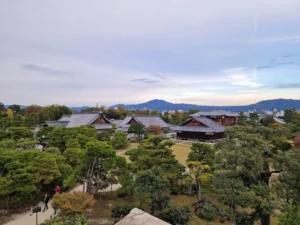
(181, 151)
(121, 152)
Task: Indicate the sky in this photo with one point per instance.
(83, 52)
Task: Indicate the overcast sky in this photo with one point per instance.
(83, 52)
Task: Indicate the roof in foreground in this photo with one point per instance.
(81, 119)
(214, 113)
(139, 217)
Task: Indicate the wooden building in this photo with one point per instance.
(97, 119)
(145, 120)
(220, 116)
(200, 129)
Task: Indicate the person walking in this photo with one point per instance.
(46, 200)
(57, 189)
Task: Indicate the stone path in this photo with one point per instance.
(29, 218)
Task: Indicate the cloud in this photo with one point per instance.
(241, 76)
(48, 70)
(145, 81)
(276, 39)
(289, 85)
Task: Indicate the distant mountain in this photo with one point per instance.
(161, 105)
(78, 109)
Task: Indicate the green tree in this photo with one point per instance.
(153, 184)
(119, 140)
(30, 120)
(242, 119)
(245, 163)
(68, 220)
(201, 174)
(154, 112)
(56, 138)
(55, 112)
(16, 133)
(137, 129)
(268, 121)
(290, 217)
(104, 136)
(176, 215)
(26, 143)
(16, 109)
(99, 166)
(202, 152)
(19, 120)
(290, 116)
(254, 118)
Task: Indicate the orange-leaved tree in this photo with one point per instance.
(73, 202)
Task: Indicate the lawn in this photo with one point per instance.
(181, 152)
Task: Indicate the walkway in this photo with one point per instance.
(29, 218)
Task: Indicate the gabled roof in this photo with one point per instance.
(214, 113)
(84, 118)
(210, 126)
(65, 118)
(146, 120)
(139, 217)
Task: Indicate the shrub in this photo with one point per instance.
(176, 215)
(207, 212)
(67, 220)
(176, 190)
(72, 203)
(120, 211)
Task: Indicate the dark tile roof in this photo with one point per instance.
(211, 126)
(214, 113)
(65, 118)
(85, 118)
(146, 120)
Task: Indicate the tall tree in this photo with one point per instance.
(254, 118)
(245, 163)
(153, 184)
(290, 116)
(99, 166)
(137, 129)
(202, 152)
(16, 109)
(119, 140)
(242, 119)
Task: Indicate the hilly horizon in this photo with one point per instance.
(162, 105)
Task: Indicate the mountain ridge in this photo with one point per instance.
(162, 105)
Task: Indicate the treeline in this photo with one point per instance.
(26, 171)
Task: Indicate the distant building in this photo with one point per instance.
(220, 116)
